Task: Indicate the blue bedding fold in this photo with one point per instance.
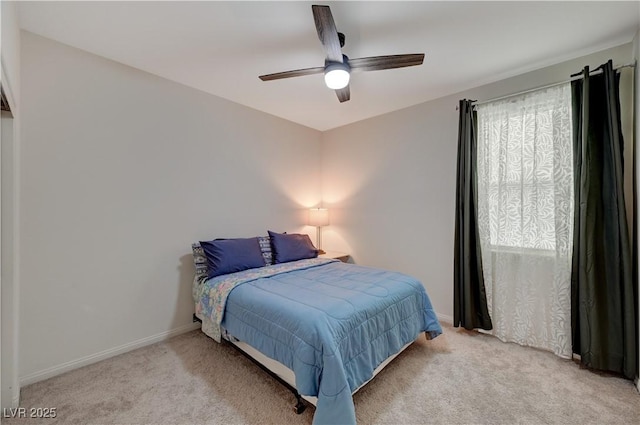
(332, 324)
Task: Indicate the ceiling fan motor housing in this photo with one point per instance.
(345, 61)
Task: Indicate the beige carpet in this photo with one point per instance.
(460, 377)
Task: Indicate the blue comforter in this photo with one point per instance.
(332, 324)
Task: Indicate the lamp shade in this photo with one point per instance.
(318, 217)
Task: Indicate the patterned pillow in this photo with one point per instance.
(200, 259)
(265, 247)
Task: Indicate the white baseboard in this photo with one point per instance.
(444, 318)
(93, 358)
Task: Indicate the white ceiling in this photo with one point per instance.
(222, 47)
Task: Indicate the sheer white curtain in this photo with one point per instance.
(525, 216)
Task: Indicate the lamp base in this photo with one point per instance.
(319, 241)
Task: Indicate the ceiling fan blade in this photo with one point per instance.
(327, 32)
(294, 73)
(376, 63)
(344, 94)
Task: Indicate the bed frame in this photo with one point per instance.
(283, 374)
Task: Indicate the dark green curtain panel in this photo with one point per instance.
(604, 297)
(470, 300)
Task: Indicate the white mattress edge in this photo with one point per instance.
(288, 375)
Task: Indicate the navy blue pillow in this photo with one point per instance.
(232, 255)
(291, 247)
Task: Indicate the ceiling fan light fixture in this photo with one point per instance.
(337, 66)
(336, 75)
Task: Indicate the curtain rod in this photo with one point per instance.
(577, 77)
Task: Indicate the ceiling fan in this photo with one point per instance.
(337, 67)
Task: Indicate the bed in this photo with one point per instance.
(322, 326)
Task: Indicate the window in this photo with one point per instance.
(525, 161)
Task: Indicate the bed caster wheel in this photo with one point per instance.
(299, 407)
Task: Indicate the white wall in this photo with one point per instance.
(390, 181)
(9, 276)
(121, 171)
